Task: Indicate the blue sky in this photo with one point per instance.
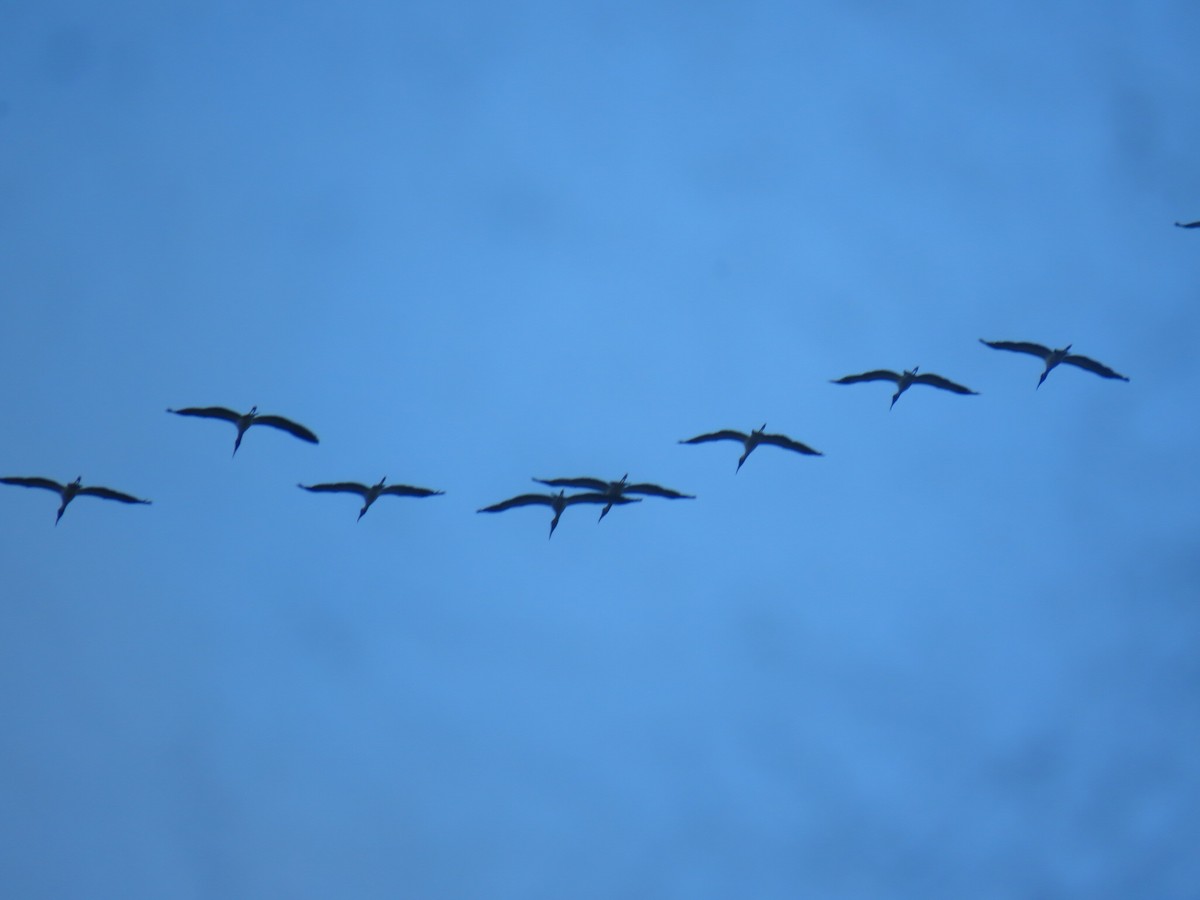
(471, 244)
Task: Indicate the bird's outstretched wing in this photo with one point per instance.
(600, 498)
(520, 500)
(109, 494)
(293, 428)
(725, 435)
(1092, 366)
(337, 487)
(655, 490)
(1187, 224)
(945, 384)
(873, 375)
(1019, 347)
(782, 440)
(591, 484)
(34, 482)
(208, 412)
(407, 490)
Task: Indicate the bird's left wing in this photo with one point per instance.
(945, 384)
(655, 490)
(34, 482)
(591, 484)
(336, 487)
(873, 375)
(293, 428)
(724, 435)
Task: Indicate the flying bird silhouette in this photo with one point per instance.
(614, 489)
(904, 380)
(369, 494)
(244, 420)
(1053, 357)
(69, 492)
(752, 440)
(1187, 224)
(558, 502)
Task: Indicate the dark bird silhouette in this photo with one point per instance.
(244, 420)
(1053, 357)
(614, 489)
(1187, 224)
(904, 380)
(558, 502)
(69, 492)
(752, 440)
(369, 494)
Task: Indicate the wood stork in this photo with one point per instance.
(244, 420)
(1053, 357)
(904, 380)
(614, 489)
(369, 494)
(558, 502)
(69, 492)
(752, 440)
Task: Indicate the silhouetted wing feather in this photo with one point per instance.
(1092, 366)
(945, 384)
(520, 500)
(292, 428)
(34, 482)
(407, 490)
(1019, 347)
(873, 375)
(600, 498)
(782, 440)
(726, 435)
(1188, 224)
(208, 412)
(109, 494)
(591, 484)
(337, 487)
(655, 490)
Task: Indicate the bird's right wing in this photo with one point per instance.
(1092, 366)
(208, 412)
(34, 482)
(336, 487)
(519, 500)
(782, 440)
(591, 484)
(407, 490)
(873, 375)
(725, 435)
(109, 494)
(295, 429)
(655, 490)
(1019, 347)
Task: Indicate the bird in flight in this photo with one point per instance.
(1053, 357)
(614, 489)
(244, 420)
(69, 492)
(1187, 224)
(752, 440)
(369, 494)
(558, 502)
(905, 380)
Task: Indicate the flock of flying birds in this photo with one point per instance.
(596, 491)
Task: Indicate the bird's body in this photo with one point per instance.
(242, 421)
(70, 491)
(614, 489)
(904, 380)
(369, 493)
(752, 440)
(1053, 358)
(1187, 224)
(558, 502)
